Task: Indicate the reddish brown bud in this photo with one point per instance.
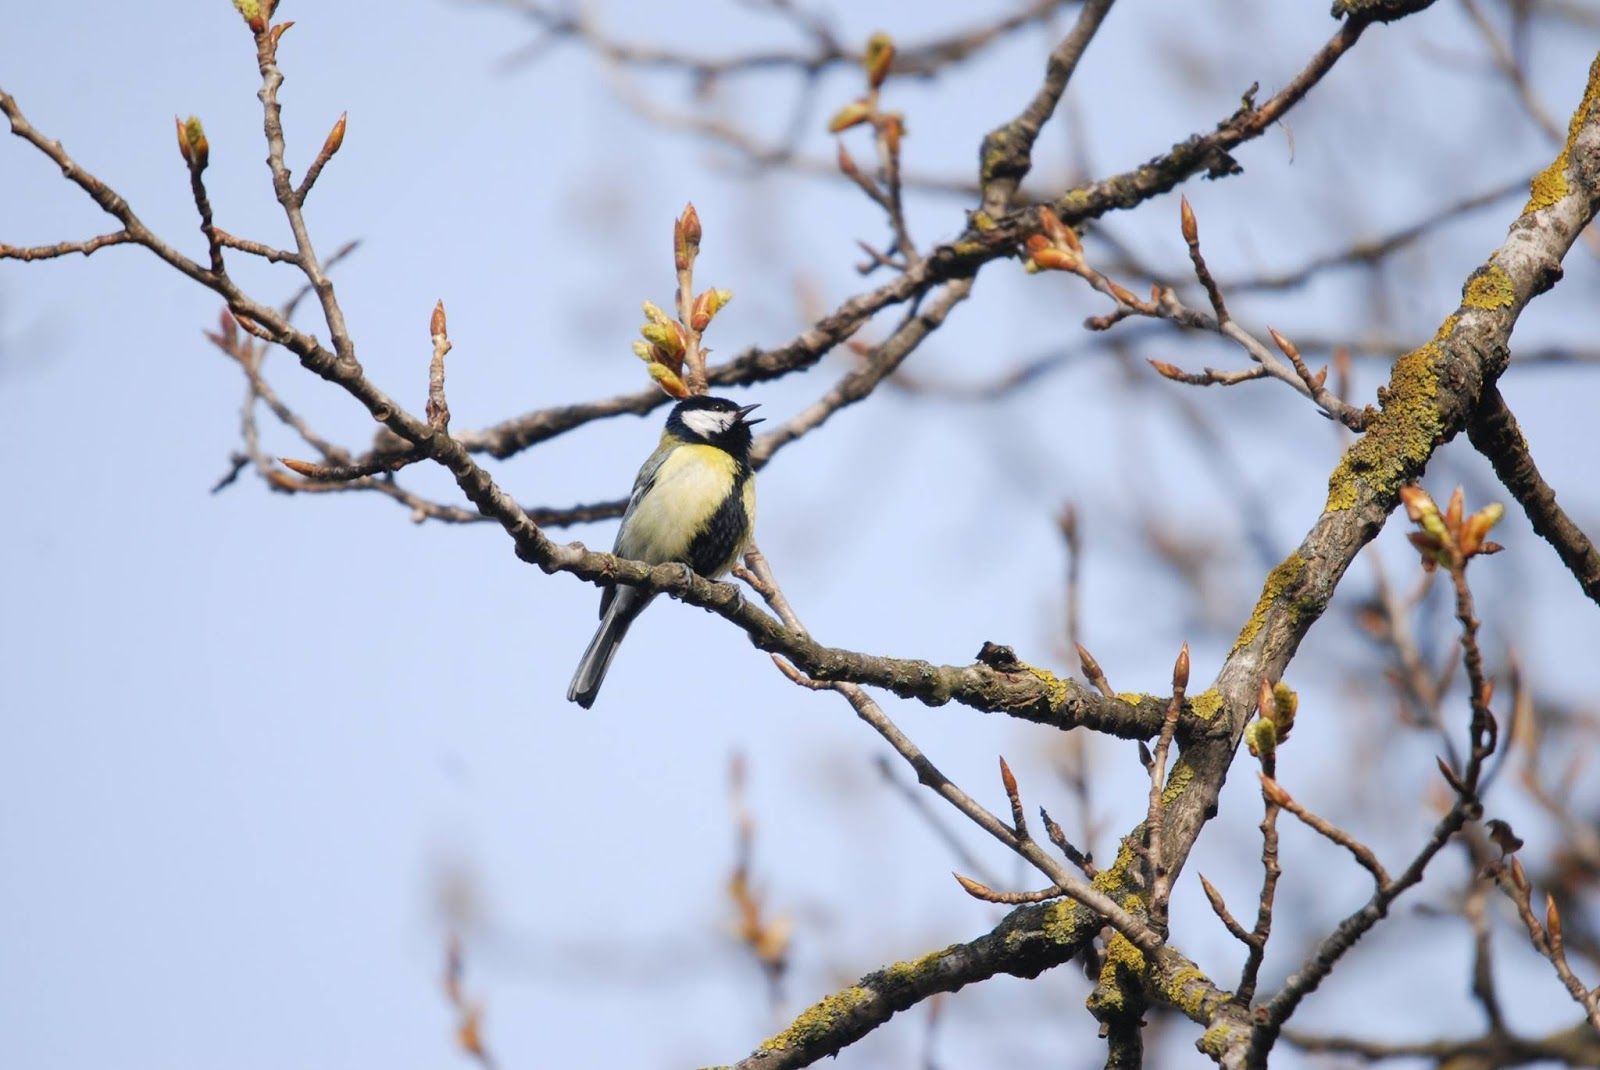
(1091, 667)
(1519, 876)
(436, 322)
(973, 888)
(1122, 294)
(1284, 344)
(1191, 230)
(279, 30)
(1454, 511)
(1266, 701)
(1008, 779)
(1051, 223)
(1450, 776)
(686, 238)
(1274, 791)
(335, 138)
(1170, 371)
(1180, 669)
(847, 163)
(892, 127)
(304, 468)
(1054, 259)
(1552, 921)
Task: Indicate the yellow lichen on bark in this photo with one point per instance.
(1550, 185)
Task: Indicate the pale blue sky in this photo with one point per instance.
(245, 737)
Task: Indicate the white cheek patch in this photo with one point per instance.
(708, 423)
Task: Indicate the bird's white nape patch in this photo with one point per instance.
(708, 422)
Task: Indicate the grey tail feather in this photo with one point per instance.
(603, 647)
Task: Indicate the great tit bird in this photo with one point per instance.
(694, 502)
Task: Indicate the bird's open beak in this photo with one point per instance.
(744, 415)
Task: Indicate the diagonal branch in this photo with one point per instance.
(1494, 432)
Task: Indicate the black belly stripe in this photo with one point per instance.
(716, 543)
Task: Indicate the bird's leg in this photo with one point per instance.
(687, 581)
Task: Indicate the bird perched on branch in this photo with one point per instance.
(694, 502)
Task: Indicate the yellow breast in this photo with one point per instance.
(688, 487)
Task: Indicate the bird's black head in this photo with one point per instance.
(715, 422)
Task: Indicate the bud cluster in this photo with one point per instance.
(192, 142)
(1056, 247)
(1276, 705)
(666, 344)
(1449, 538)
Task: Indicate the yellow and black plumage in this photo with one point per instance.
(694, 502)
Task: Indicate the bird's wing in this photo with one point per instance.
(642, 483)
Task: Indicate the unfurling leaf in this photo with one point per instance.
(1417, 501)
(664, 336)
(706, 306)
(1477, 526)
(1262, 738)
(668, 380)
(192, 143)
(1286, 704)
(879, 58)
(853, 114)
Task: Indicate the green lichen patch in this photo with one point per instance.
(1124, 964)
(1206, 705)
(1133, 698)
(1114, 879)
(1490, 287)
(905, 973)
(1279, 582)
(1187, 991)
(1215, 1040)
(817, 1021)
(1061, 924)
(1181, 777)
(1401, 439)
(1058, 687)
(1550, 185)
